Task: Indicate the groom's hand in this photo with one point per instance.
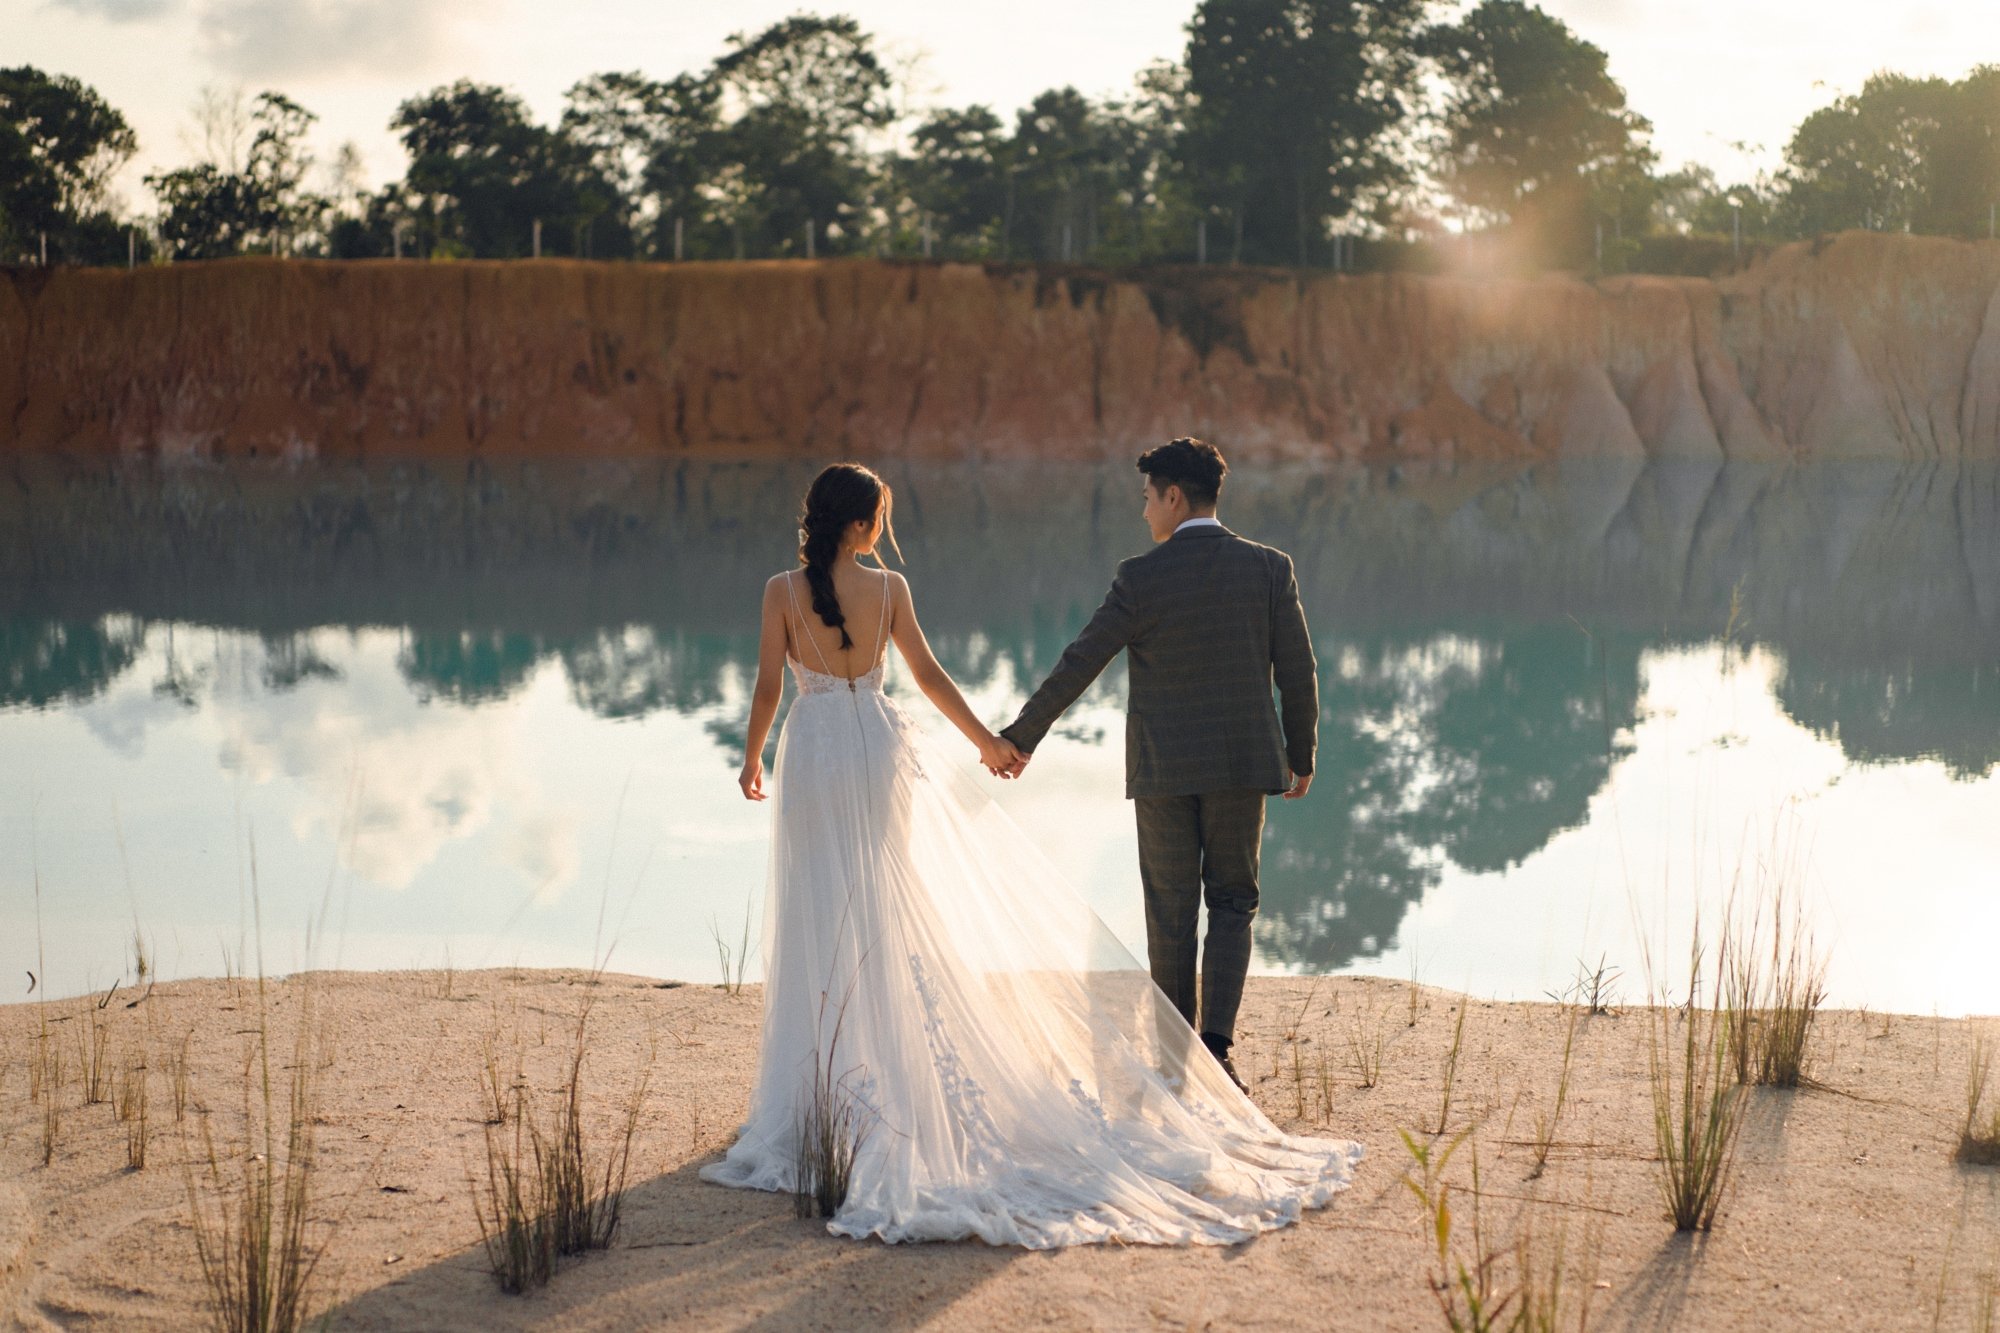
(1003, 759)
(1009, 759)
(1300, 781)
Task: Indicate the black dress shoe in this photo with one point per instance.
(1219, 1048)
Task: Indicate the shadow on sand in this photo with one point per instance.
(691, 1254)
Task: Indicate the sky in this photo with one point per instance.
(1723, 81)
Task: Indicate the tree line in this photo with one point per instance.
(1291, 132)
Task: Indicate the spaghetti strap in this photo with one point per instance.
(882, 634)
(799, 615)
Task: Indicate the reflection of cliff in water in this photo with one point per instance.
(1479, 630)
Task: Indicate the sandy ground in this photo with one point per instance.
(1848, 1211)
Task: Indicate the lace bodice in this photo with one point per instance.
(819, 682)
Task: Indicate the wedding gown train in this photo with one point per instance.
(1010, 1069)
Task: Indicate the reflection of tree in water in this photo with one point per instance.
(1341, 867)
(639, 669)
(43, 662)
(1472, 750)
(291, 659)
(1524, 743)
(624, 672)
(468, 666)
(1877, 716)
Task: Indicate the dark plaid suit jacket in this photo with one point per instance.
(1209, 621)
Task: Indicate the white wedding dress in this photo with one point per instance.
(1011, 1070)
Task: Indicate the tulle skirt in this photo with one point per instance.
(1004, 1067)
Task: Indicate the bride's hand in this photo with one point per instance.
(751, 779)
(1000, 756)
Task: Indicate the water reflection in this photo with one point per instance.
(1483, 635)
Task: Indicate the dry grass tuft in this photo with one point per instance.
(833, 1125)
(516, 1224)
(547, 1193)
(94, 1045)
(1697, 1106)
(1451, 1065)
(1595, 988)
(249, 1206)
(1297, 1042)
(177, 1076)
(134, 1108)
(1979, 1134)
(1547, 1122)
(1776, 1003)
(1480, 1287)
(443, 983)
(588, 1200)
(733, 961)
(249, 1203)
(1364, 1049)
(499, 1089)
(51, 1078)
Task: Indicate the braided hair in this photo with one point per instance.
(841, 495)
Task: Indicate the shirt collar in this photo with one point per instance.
(1205, 521)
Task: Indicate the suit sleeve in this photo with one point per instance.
(1113, 626)
(1296, 673)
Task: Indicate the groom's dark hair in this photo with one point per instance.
(1194, 466)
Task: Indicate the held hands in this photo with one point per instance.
(1002, 758)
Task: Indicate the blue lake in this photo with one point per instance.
(490, 713)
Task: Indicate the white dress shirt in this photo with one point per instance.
(1207, 520)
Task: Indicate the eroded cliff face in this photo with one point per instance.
(1868, 345)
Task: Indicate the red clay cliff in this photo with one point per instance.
(1864, 345)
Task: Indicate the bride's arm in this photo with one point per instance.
(769, 690)
(936, 683)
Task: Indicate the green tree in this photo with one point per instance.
(1902, 154)
(1062, 172)
(809, 89)
(60, 145)
(649, 142)
(1537, 132)
(1691, 202)
(482, 173)
(1293, 108)
(1152, 213)
(1965, 164)
(956, 174)
(205, 212)
(680, 155)
(211, 210)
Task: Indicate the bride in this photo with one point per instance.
(953, 1044)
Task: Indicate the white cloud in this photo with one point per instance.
(318, 39)
(542, 844)
(390, 781)
(117, 11)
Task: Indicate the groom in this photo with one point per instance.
(1208, 622)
